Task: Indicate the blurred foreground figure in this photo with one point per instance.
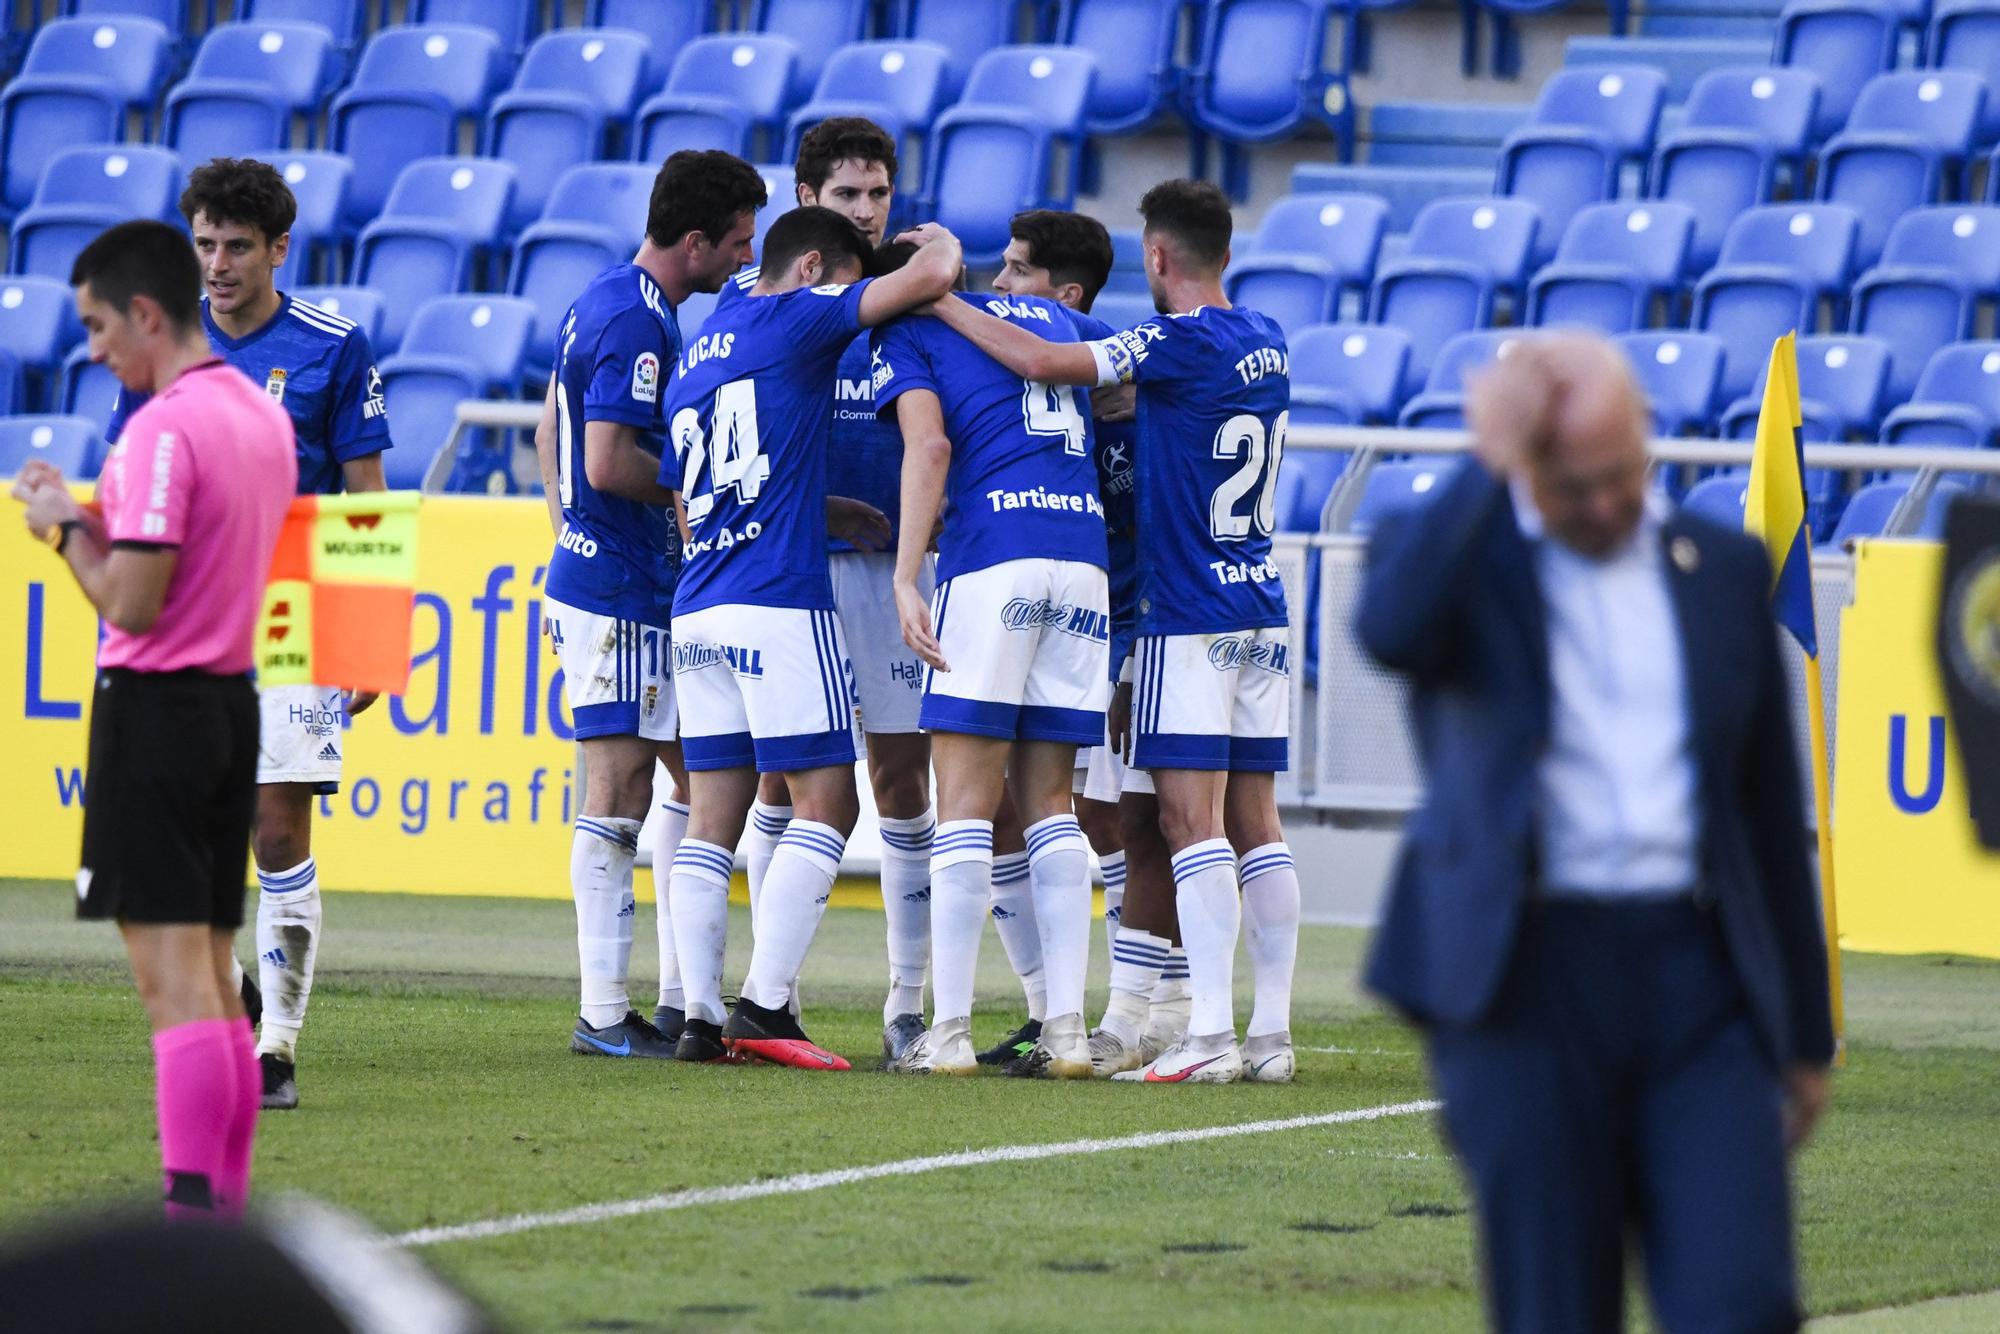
(1604, 919)
(300, 1267)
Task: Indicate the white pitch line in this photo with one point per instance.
(848, 1176)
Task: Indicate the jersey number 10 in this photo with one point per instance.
(733, 458)
(1230, 518)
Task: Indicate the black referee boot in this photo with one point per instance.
(281, 1087)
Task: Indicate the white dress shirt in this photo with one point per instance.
(1616, 786)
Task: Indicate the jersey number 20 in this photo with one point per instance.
(733, 458)
(1230, 518)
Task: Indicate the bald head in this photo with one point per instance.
(1564, 412)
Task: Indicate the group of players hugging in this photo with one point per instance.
(985, 535)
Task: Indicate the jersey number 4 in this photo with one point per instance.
(1249, 498)
(732, 457)
(1050, 409)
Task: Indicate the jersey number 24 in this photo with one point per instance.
(733, 457)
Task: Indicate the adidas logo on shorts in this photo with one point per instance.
(330, 752)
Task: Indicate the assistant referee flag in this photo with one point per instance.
(337, 607)
(1775, 509)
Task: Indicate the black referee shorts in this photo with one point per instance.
(169, 798)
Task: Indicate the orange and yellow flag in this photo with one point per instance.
(337, 604)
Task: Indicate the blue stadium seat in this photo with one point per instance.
(1620, 102)
(995, 150)
(1122, 310)
(13, 386)
(1463, 254)
(1305, 480)
(595, 218)
(463, 347)
(1587, 124)
(173, 15)
(1134, 42)
(1680, 373)
(1682, 61)
(42, 114)
(1965, 35)
(1615, 263)
(1309, 251)
(319, 186)
(1868, 513)
(1441, 405)
(132, 55)
(816, 28)
(967, 31)
(249, 81)
(1957, 400)
(1406, 190)
(1346, 374)
(512, 22)
(897, 84)
(1937, 264)
(694, 312)
(1778, 264)
(38, 325)
(575, 88)
(1904, 145)
(1743, 128)
(412, 90)
(442, 214)
(83, 191)
(344, 20)
(1391, 488)
(1843, 381)
(667, 25)
(363, 305)
(1845, 42)
(89, 389)
(70, 443)
(1262, 74)
(725, 91)
(781, 196)
(1439, 134)
(1719, 499)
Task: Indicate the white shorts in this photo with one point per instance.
(888, 675)
(1217, 701)
(617, 674)
(299, 735)
(1100, 772)
(1029, 646)
(769, 686)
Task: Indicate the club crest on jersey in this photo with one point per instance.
(646, 378)
(274, 384)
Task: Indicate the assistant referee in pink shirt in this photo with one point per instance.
(191, 499)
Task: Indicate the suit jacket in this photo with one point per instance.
(1452, 601)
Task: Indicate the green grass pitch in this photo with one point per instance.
(438, 1090)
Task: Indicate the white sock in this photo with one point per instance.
(1173, 984)
(1137, 960)
(796, 889)
(1271, 922)
(1210, 911)
(1059, 869)
(600, 879)
(701, 924)
(961, 888)
(288, 921)
(673, 827)
(760, 844)
(906, 903)
(1113, 866)
(236, 969)
(1020, 935)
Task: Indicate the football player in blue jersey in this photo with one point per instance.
(848, 164)
(611, 579)
(760, 658)
(1067, 258)
(1017, 639)
(1209, 713)
(321, 370)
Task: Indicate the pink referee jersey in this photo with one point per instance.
(209, 466)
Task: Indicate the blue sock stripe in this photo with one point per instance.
(697, 858)
(284, 882)
(1054, 832)
(628, 840)
(1114, 876)
(1126, 953)
(1264, 865)
(1010, 874)
(980, 836)
(768, 820)
(677, 807)
(1175, 971)
(909, 842)
(1196, 860)
(814, 842)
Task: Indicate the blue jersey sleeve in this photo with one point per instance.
(629, 370)
(819, 320)
(122, 408)
(1088, 327)
(357, 411)
(900, 361)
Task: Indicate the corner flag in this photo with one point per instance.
(1775, 509)
(337, 602)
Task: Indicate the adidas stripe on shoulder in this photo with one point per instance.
(323, 319)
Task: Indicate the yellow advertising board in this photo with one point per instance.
(1911, 877)
(464, 785)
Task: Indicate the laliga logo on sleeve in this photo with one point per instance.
(646, 378)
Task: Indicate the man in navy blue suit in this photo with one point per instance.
(1604, 918)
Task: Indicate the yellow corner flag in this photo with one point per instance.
(1775, 512)
(337, 604)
